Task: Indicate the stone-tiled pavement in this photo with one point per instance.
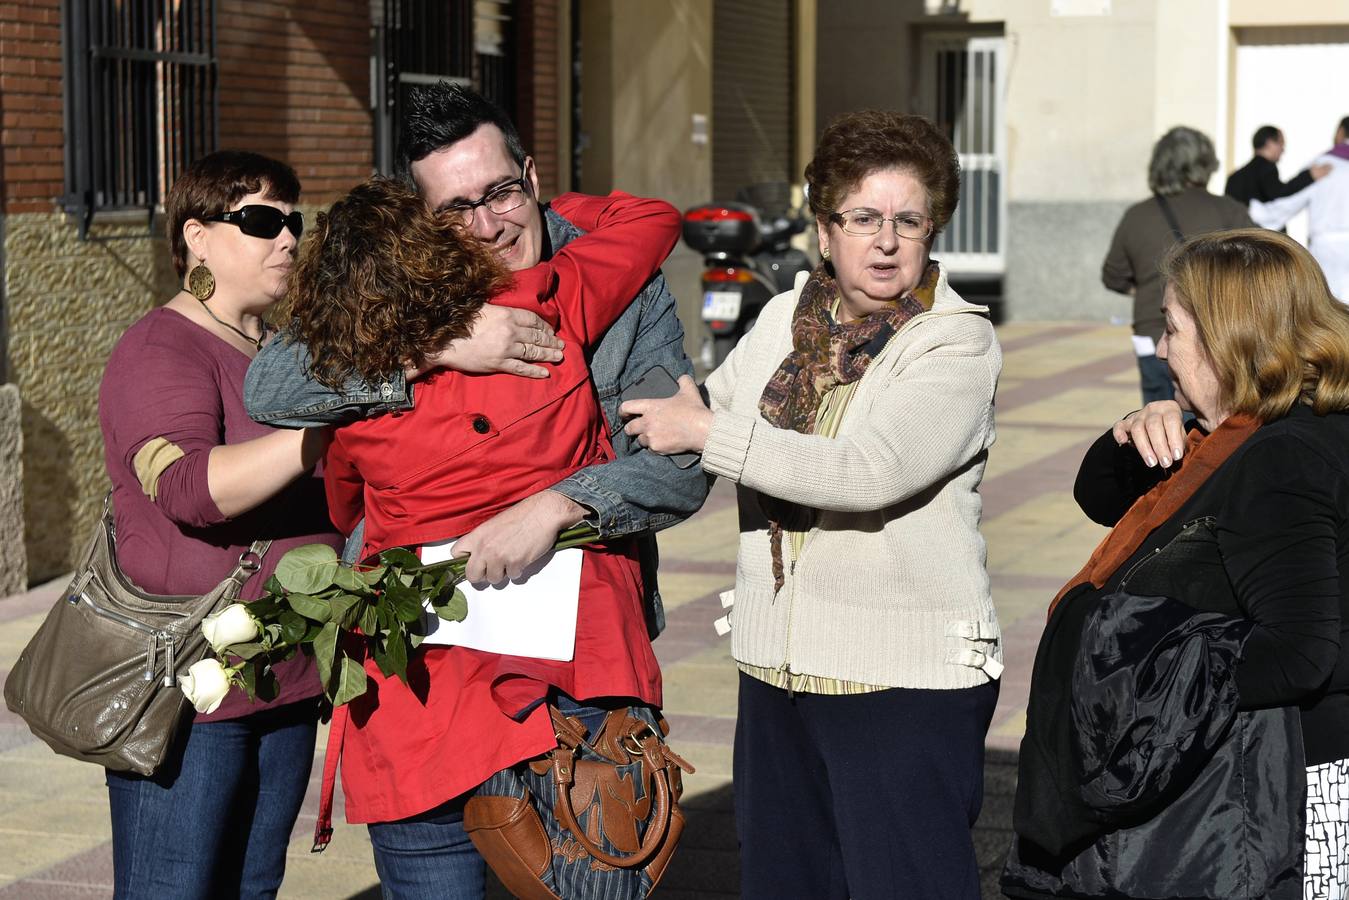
(1062, 384)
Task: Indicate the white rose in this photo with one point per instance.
(232, 625)
(205, 684)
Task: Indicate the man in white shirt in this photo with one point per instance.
(1327, 205)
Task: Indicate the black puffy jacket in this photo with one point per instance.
(1154, 764)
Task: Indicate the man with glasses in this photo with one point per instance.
(464, 156)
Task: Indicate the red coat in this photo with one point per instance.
(473, 446)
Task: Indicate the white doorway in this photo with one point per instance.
(964, 82)
(1293, 79)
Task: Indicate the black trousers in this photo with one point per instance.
(865, 797)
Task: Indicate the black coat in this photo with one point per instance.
(1132, 785)
(1259, 180)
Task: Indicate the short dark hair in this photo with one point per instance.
(214, 183)
(1263, 135)
(856, 144)
(1344, 125)
(440, 114)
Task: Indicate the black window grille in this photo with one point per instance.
(140, 99)
(425, 41)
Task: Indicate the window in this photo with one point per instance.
(140, 99)
(425, 41)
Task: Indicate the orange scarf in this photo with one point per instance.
(1203, 456)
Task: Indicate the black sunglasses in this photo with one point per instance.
(261, 221)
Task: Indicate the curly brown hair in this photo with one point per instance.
(384, 282)
(858, 143)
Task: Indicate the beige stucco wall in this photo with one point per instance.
(1242, 13)
(13, 555)
(646, 69)
(67, 303)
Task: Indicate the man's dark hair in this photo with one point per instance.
(1344, 126)
(1263, 135)
(440, 114)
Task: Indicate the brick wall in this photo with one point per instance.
(538, 89)
(30, 104)
(295, 84)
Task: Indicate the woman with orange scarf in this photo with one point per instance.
(1188, 726)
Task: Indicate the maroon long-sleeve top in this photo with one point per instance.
(170, 379)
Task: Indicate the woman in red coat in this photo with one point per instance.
(382, 284)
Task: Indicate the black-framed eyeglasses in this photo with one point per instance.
(500, 200)
(261, 221)
(864, 222)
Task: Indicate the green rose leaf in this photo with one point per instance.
(268, 686)
(308, 569)
(350, 580)
(406, 602)
(380, 654)
(310, 607)
(246, 651)
(273, 586)
(396, 654)
(352, 616)
(369, 620)
(351, 682)
(341, 604)
(372, 576)
(398, 556)
(454, 609)
(248, 680)
(325, 649)
(264, 608)
(293, 626)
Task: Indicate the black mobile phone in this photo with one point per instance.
(657, 383)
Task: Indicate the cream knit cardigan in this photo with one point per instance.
(891, 586)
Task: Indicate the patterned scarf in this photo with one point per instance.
(825, 355)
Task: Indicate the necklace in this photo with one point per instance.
(255, 341)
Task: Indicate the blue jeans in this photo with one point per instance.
(429, 856)
(1155, 379)
(216, 820)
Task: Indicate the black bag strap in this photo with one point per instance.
(1170, 215)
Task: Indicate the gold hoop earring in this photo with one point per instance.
(200, 282)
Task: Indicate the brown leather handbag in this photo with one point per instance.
(98, 680)
(594, 819)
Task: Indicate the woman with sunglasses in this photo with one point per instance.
(194, 483)
(855, 419)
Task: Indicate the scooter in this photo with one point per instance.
(747, 262)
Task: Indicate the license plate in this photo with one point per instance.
(722, 306)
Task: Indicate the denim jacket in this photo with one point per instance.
(638, 493)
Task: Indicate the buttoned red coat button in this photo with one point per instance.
(481, 425)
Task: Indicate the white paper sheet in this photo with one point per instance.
(534, 615)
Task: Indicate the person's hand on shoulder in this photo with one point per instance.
(503, 339)
(1157, 432)
(1321, 171)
